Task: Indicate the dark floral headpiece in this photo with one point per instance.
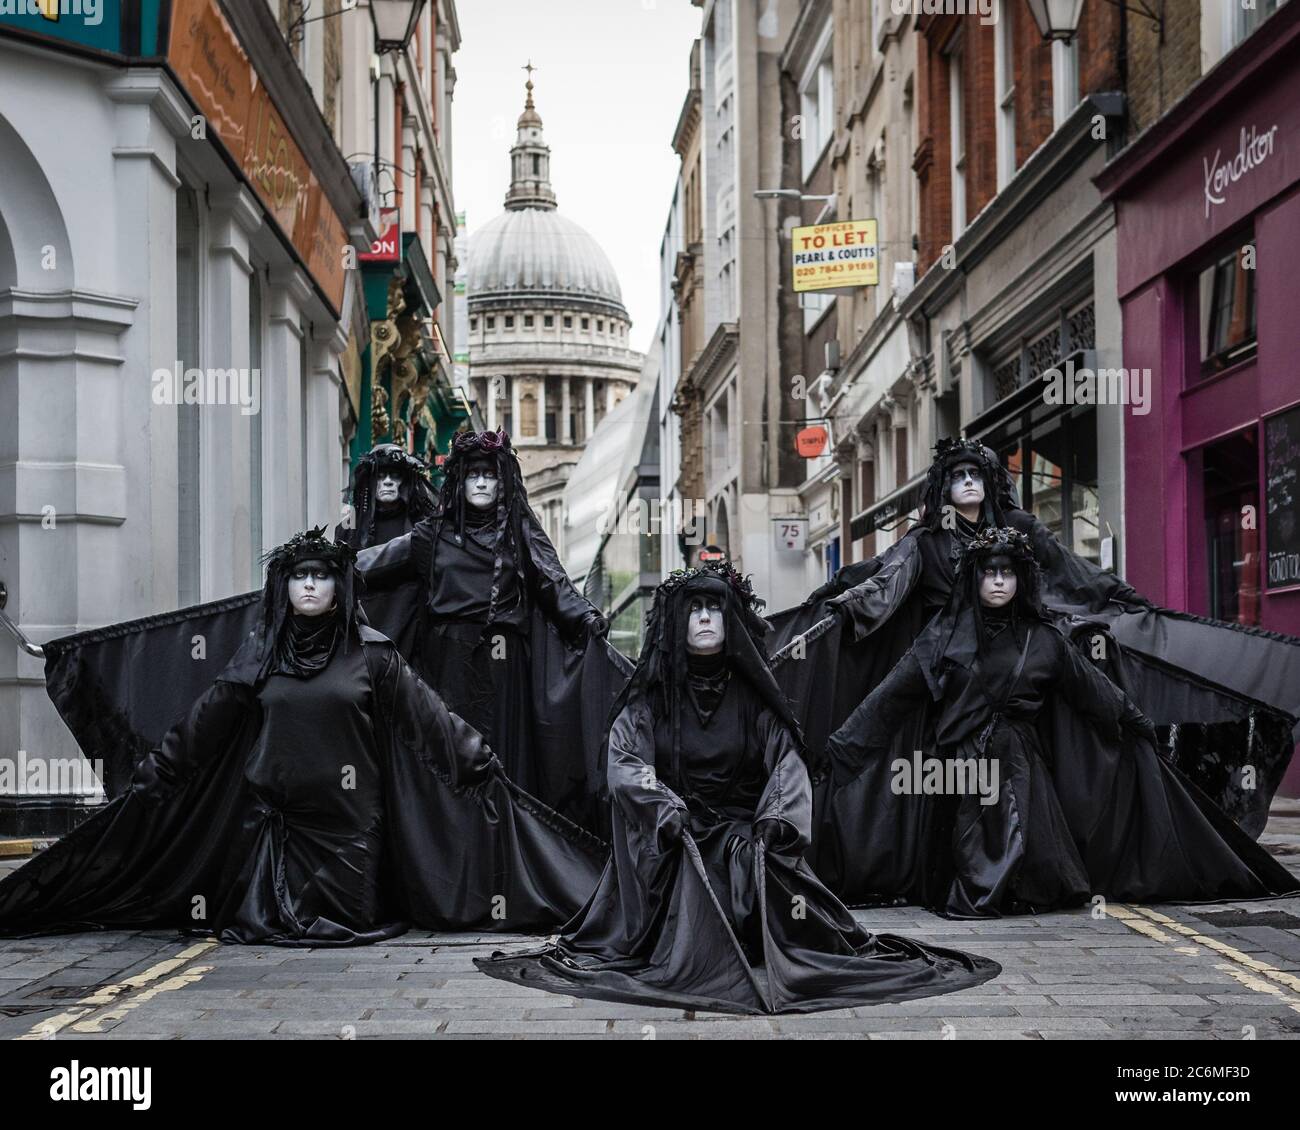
(480, 443)
(990, 542)
(949, 450)
(719, 571)
(390, 455)
(311, 545)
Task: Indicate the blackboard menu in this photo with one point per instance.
(1282, 497)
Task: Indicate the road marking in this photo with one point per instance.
(108, 994)
(1253, 973)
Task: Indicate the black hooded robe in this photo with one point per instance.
(1084, 805)
(519, 668)
(706, 901)
(372, 524)
(327, 810)
(1225, 693)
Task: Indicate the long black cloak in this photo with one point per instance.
(327, 810)
(706, 901)
(371, 524)
(502, 633)
(1082, 803)
(1226, 697)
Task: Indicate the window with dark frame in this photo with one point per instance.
(1225, 305)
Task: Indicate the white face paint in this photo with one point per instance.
(706, 631)
(966, 486)
(388, 490)
(311, 588)
(481, 485)
(997, 583)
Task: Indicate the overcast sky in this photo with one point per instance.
(611, 76)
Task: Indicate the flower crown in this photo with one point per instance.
(479, 443)
(990, 542)
(950, 448)
(390, 455)
(310, 545)
(716, 570)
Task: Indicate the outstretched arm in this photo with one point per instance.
(1092, 694)
(870, 729)
(572, 612)
(784, 817)
(398, 560)
(1075, 577)
(649, 811)
(421, 722)
(199, 737)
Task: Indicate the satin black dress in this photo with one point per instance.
(1080, 803)
(706, 901)
(331, 801)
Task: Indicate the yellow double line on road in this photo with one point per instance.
(163, 977)
(1241, 967)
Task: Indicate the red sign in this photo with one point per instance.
(811, 442)
(388, 247)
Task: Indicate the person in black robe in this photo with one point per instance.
(318, 793)
(389, 495)
(706, 900)
(1225, 697)
(502, 634)
(1037, 782)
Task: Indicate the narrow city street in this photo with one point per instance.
(1226, 972)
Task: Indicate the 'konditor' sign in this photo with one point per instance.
(833, 255)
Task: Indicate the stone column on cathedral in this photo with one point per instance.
(491, 384)
(591, 409)
(566, 430)
(514, 404)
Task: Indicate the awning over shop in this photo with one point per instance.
(888, 511)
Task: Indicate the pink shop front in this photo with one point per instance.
(1208, 219)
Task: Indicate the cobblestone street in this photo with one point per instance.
(1223, 972)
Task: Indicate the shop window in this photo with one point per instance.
(1226, 308)
(1230, 483)
(1053, 465)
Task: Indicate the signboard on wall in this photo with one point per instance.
(216, 72)
(826, 256)
(388, 247)
(1282, 498)
(790, 533)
